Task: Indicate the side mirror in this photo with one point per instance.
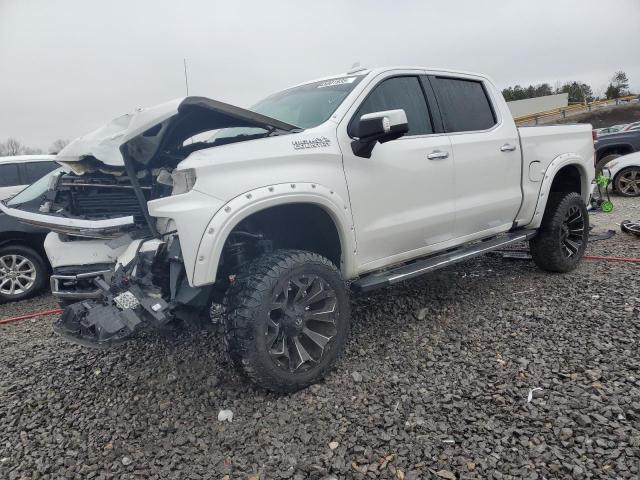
(378, 127)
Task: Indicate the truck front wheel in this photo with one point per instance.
(287, 319)
(562, 237)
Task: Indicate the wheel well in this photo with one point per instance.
(33, 241)
(303, 226)
(614, 150)
(26, 240)
(567, 180)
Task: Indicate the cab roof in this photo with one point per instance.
(361, 71)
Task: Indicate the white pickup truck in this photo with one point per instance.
(260, 217)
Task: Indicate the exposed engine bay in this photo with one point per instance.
(101, 195)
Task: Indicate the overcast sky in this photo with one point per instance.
(68, 66)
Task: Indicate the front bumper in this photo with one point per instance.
(147, 286)
(68, 286)
(110, 319)
(105, 229)
(114, 301)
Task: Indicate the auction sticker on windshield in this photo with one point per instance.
(336, 81)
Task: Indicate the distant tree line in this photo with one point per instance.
(619, 85)
(578, 91)
(13, 146)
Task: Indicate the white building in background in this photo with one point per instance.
(520, 108)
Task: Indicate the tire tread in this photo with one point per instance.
(252, 284)
(543, 246)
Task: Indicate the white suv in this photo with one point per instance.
(16, 172)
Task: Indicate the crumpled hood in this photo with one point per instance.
(145, 131)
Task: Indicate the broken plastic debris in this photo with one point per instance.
(225, 415)
(530, 396)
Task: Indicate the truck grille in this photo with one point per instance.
(106, 203)
(98, 197)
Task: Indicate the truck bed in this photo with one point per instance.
(540, 146)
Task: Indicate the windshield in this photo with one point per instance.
(33, 191)
(306, 106)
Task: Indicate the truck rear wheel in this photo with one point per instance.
(287, 319)
(563, 235)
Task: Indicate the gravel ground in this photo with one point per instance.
(488, 369)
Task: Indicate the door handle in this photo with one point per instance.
(437, 155)
(507, 148)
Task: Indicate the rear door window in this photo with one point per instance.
(9, 175)
(36, 170)
(464, 104)
(398, 93)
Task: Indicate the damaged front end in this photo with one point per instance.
(149, 289)
(109, 177)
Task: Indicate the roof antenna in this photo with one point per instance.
(355, 68)
(186, 77)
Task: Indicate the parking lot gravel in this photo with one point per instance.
(487, 369)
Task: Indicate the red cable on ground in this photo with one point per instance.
(31, 315)
(611, 259)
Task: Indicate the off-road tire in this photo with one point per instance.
(247, 306)
(600, 164)
(41, 273)
(547, 249)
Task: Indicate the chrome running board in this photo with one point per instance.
(441, 260)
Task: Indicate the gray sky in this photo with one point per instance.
(68, 66)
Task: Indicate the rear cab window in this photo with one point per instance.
(464, 104)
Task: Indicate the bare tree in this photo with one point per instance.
(31, 151)
(58, 145)
(12, 147)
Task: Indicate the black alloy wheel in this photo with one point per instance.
(302, 321)
(286, 319)
(562, 237)
(572, 231)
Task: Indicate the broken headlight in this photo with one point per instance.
(183, 180)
